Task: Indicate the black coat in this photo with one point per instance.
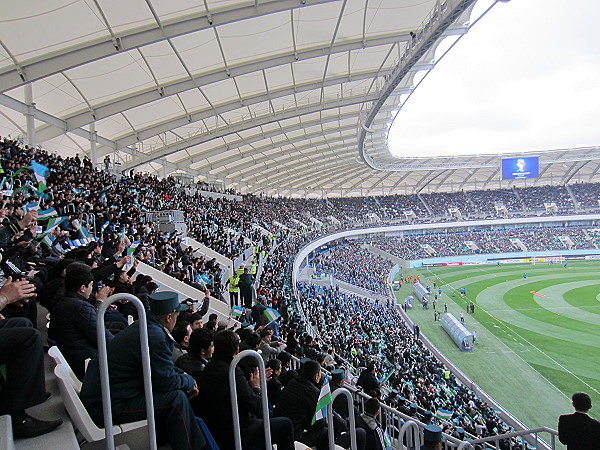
(73, 327)
(215, 407)
(246, 282)
(367, 381)
(298, 402)
(579, 431)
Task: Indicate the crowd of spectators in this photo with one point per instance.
(371, 335)
(75, 263)
(365, 270)
(487, 242)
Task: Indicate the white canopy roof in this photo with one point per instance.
(290, 97)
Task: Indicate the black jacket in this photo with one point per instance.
(579, 431)
(298, 402)
(73, 327)
(375, 435)
(367, 381)
(215, 407)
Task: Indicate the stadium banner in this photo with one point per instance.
(476, 263)
(450, 264)
(574, 257)
(431, 265)
(510, 261)
(592, 257)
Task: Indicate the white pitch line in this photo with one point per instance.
(547, 309)
(519, 356)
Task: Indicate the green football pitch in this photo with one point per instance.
(533, 350)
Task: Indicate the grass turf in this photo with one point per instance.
(533, 352)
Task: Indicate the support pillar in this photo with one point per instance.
(164, 167)
(93, 142)
(29, 115)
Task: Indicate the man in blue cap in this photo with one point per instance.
(175, 420)
(433, 438)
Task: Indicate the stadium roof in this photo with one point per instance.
(289, 97)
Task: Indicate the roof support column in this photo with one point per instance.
(164, 167)
(29, 115)
(93, 141)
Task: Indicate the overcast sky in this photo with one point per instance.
(526, 77)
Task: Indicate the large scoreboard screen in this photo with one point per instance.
(523, 167)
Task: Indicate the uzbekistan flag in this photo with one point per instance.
(48, 240)
(31, 207)
(50, 212)
(132, 248)
(443, 414)
(325, 399)
(41, 172)
(237, 311)
(54, 223)
(271, 314)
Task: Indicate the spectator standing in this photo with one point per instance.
(246, 284)
(578, 431)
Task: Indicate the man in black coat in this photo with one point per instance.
(175, 420)
(298, 402)
(578, 431)
(73, 319)
(367, 379)
(215, 407)
(245, 284)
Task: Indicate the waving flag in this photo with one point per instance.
(325, 399)
(132, 248)
(41, 173)
(46, 214)
(54, 223)
(237, 311)
(387, 377)
(443, 414)
(271, 314)
(31, 206)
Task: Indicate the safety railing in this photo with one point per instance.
(263, 397)
(497, 440)
(410, 431)
(90, 220)
(330, 420)
(104, 378)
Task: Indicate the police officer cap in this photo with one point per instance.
(337, 375)
(432, 434)
(165, 302)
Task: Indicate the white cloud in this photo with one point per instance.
(524, 78)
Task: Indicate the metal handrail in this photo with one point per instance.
(263, 397)
(414, 436)
(553, 433)
(330, 431)
(104, 379)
